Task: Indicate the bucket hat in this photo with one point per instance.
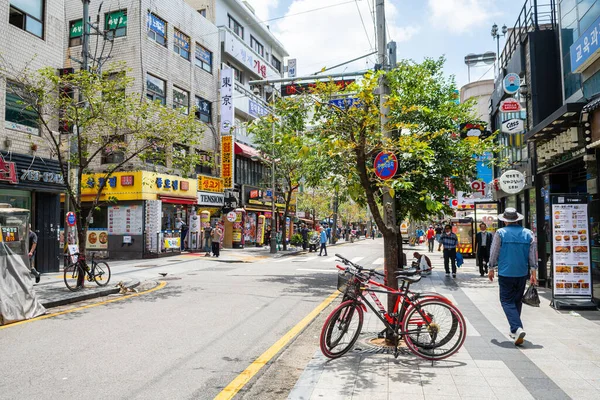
(510, 215)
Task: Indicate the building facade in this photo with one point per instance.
(254, 53)
(172, 52)
(31, 37)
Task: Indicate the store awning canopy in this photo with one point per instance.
(246, 151)
(567, 116)
(177, 200)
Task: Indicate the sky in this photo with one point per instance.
(323, 33)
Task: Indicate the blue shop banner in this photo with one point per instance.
(586, 48)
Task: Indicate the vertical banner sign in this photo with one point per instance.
(227, 161)
(226, 100)
(292, 68)
(571, 247)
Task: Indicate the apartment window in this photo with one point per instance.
(276, 63)
(16, 111)
(181, 100)
(203, 110)
(204, 58)
(236, 27)
(202, 12)
(181, 44)
(205, 163)
(113, 153)
(257, 46)
(115, 23)
(75, 33)
(28, 15)
(237, 73)
(157, 29)
(155, 89)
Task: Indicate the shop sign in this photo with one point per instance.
(512, 181)
(125, 220)
(511, 83)
(172, 243)
(386, 165)
(71, 218)
(238, 50)
(513, 126)
(9, 234)
(226, 99)
(39, 176)
(8, 172)
(510, 105)
(231, 216)
(292, 62)
(232, 199)
(257, 110)
(210, 184)
(21, 128)
(97, 239)
(585, 49)
(227, 161)
(299, 88)
(211, 199)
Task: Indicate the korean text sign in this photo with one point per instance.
(227, 161)
(584, 48)
(226, 90)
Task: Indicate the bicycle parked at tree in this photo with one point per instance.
(430, 325)
(76, 272)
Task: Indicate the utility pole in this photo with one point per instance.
(389, 203)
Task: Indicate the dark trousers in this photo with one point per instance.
(450, 256)
(430, 244)
(323, 247)
(304, 244)
(483, 257)
(511, 296)
(216, 248)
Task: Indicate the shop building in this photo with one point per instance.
(30, 176)
(141, 215)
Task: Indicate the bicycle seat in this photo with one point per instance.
(407, 272)
(410, 279)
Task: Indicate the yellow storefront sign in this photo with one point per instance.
(137, 185)
(227, 161)
(210, 184)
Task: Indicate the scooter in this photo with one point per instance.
(313, 243)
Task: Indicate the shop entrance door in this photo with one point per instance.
(47, 225)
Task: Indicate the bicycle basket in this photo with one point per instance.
(348, 285)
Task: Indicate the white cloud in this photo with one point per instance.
(263, 8)
(460, 16)
(333, 35)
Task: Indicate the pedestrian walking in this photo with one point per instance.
(33, 239)
(268, 236)
(323, 242)
(513, 253)
(373, 233)
(438, 236)
(216, 241)
(420, 233)
(483, 242)
(449, 240)
(304, 233)
(207, 238)
(430, 238)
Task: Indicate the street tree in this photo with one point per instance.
(424, 116)
(280, 136)
(84, 116)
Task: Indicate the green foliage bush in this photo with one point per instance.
(296, 239)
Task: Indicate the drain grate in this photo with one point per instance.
(369, 343)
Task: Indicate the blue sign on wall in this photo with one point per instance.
(344, 103)
(585, 47)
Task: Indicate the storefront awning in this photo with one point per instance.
(177, 200)
(246, 150)
(567, 116)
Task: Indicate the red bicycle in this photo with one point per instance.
(430, 325)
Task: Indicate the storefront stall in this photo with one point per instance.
(35, 184)
(257, 203)
(147, 212)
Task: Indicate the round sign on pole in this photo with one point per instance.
(512, 181)
(386, 165)
(71, 218)
(231, 216)
(511, 83)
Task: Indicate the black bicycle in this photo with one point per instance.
(75, 273)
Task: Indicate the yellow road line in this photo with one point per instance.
(242, 379)
(157, 287)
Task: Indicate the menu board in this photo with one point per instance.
(571, 248)
(153, 220)
(97, 239)
(9, 234)
(125, 220)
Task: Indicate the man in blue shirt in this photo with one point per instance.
(513, 253)
(323, 242)
(449, 240)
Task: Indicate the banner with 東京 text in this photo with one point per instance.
(227, 161)
(226, 98)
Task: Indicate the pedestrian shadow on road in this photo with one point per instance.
(508, 344)
(317, 285)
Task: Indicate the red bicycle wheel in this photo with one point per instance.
(434, 329)
(341, 329)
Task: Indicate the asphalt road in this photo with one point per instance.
(186, 341)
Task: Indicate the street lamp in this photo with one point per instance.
(496, 35)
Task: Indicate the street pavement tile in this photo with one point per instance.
(550, 394)
(574, 383)
(437, 380)
(510, 394)
(440, 390)
(369, 395)
(405, 396)
(438, 397)
(490, 364)
(583, 394)
(311, 376)
(402, 387)
(537, 383)
(474, 391)
(466, 371)
(301, 392)
(504, 382)
(329, 394)
(470, 381)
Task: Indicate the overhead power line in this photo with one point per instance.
(363, 23)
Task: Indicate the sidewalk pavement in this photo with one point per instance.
(559, 360)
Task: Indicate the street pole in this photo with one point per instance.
(273, 197)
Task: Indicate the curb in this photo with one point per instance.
(100, 293)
